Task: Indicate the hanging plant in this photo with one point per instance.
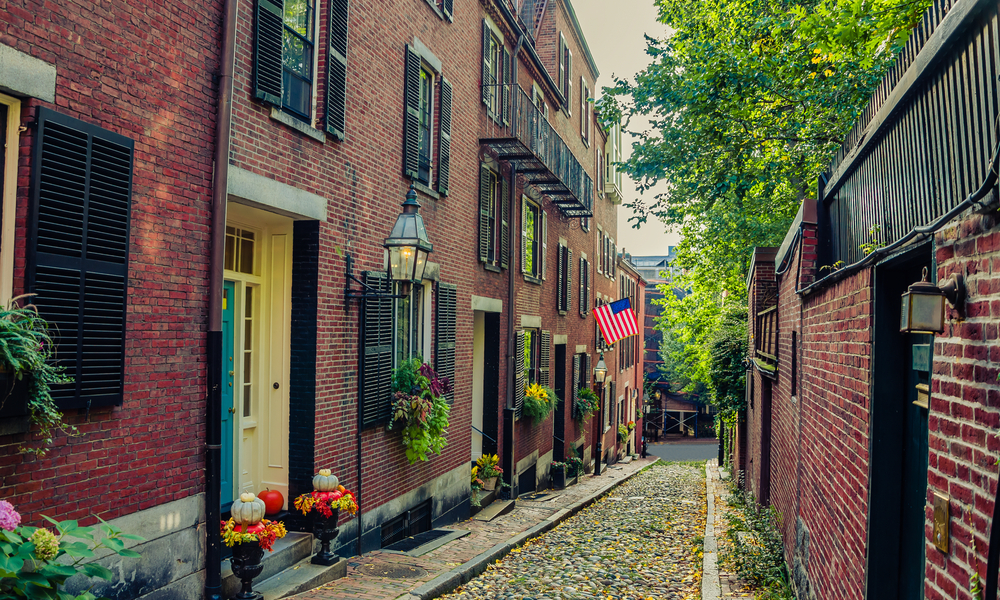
(622, 433)
(538, 402)
(420, 409)
(27, 352)
(587, 403)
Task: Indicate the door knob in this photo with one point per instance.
(275, 385)
(231, 373)
(232, 411)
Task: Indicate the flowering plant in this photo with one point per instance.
(325, 502)
(264, 533)
(557, 466)
(489, 466)
(35, 562)
(538, 402)
(574, 466)
(587, 403)
(631, 425)
(420, 408)
(622, 433)
(477, 483)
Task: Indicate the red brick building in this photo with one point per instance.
(876, 442)
(108, 117)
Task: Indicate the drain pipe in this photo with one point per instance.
(213, 404)
(509, 437)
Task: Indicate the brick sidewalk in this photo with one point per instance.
(484, 535)
(729, 583)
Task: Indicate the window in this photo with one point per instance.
(424, 88)
(239, 252)
(409, 325)
(585, 112)
(584, 286)
(533, 240)
(533, 348)
(297, 58)
(494, 234)
(496, 75)
(10, 121)
(565, 73)
(564, 283)
(531, 356)
(81, 182)
(285, 59)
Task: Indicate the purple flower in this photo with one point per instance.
(9, 518)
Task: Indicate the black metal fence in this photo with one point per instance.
(923, 143)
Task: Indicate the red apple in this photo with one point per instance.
(273, 501)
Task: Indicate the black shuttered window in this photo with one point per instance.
(376, 352)
(78, 253)
(336, 70)
(444, 351)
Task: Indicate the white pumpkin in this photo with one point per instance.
(248, 509)
(325, 481)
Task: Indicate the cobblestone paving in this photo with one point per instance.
(642, 541)
(732, 586)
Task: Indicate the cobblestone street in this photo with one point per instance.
(643, 540)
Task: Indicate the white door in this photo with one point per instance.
(258, 262)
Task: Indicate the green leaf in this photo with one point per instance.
(96, 570)
(114, 543)
(59, 570)
(11, 537)
(129, 553)
(36, 579)
(129, 536)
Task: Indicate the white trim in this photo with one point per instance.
(9, 202)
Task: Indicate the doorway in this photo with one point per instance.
(898, 434)
(256, 346)
(490, 378)
(559, 435)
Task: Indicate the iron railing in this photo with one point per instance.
(766, 340)
(544, 159)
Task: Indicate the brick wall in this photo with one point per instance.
(143, 70)
(964, 416)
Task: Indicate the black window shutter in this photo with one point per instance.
(518, 373)
(569, 279)
(562, 64)
(78, 253)
(506, 87)
(585, 374)
(577, 384)
(560, 279)
(584, 276)
(444, 152)
(376, 352)
(444, 352)
(336, 70)
(411, 127)
(448, 7)
(485, 217)
(267, 41)
(544, 361)
(504, 223)
(487, 67)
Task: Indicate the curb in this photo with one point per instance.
(711, 588)
(446, 582)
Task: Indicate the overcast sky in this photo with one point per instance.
(614, 33)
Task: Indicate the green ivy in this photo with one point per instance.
(420, 409)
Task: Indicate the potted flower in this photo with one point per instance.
(324, 504)
(27, 373)
(558, 471)
(538, 402)
(477, 485)
(36, 561)
(489, 470)
(249, 534)
(622, 433)
(587, 403)
(631, 426)
(420, 409)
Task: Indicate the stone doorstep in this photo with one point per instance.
(495, 510)
(299, 578)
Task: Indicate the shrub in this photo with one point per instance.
(538, 402)
(420, 409)
(587, 403)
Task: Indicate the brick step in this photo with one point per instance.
(287, 551)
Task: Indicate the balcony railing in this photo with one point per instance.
(766, 340)
(543, 158)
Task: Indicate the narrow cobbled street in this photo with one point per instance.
(642, 540)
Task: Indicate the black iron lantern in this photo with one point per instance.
(601, 370)
(407, 243)
(923, 304)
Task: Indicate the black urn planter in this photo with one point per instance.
(246, 565)
(559, 478)
(326, 531)
(13, 404)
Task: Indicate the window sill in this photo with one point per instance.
(297, 125)
(437, 9)
(532, 279)
(424, 189)
(492, 268)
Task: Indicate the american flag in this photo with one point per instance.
(616, 320)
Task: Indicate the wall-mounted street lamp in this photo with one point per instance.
(601, 370)
(923, 304)
(407, 246)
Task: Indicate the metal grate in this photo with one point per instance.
(412, 522)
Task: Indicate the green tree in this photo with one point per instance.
(748, 99)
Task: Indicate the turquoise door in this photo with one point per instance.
(228, 303)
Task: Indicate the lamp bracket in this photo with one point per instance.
(954, 290)
(368, 293)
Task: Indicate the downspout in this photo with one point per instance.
(511, 212)
(213, 408)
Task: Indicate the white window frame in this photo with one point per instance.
(12, 143)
